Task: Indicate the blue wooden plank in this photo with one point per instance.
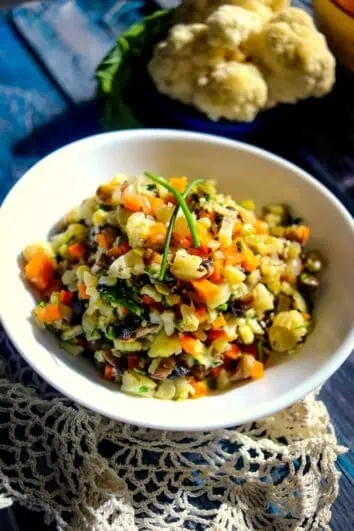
(28, 100)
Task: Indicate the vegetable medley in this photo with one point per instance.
(173, 289)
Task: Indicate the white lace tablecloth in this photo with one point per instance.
(89, 473)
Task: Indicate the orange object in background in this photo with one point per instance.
(336, 20)
(347, 5)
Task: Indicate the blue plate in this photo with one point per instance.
(187, 117)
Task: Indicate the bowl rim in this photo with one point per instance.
(272, 406)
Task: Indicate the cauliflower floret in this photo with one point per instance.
(295, 58)
(172, 67)
(169, 321)
(226, 229)
(138, 228)
(262, 298)
(190, 321)
(127, 265)
(287, 330)
(234, 91)
(186, 266)
(229, 26)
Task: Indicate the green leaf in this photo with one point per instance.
(119, 294)
(117, 71)
(143, 389)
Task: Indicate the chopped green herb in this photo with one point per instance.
(110, 334)
(222, 307)
(207, 197)
(143, 389)
(119, 295)
(138, 371)
(151, 187)
(42, 304)
(260, 352)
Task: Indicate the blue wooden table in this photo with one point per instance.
(48, 52)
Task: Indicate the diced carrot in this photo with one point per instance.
(214, 373)
(77, 250)
(298, 233)
(132, 202)
(205, 289)
(156, 258)
(154, 203)
(148, 300)
(219, 322)
(232, 255)
(202, 251)
(170, 198)
(66, 297)
(214, 335)
(234, 353)
(261, 227)
(102, 241)
(114, 251)
(82, 291)
(189, 344)
(108, 372)
(202, 314)
(217, 273)
(237, 227)
(40, 270)
(48, 314)
(257, 370)
(305, 234)
(179, 183)
(132, 361)
(157, 234)
(249, 260)
(185, 241)
(119, 250)
(200, 388)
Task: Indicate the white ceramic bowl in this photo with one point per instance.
(72, 173)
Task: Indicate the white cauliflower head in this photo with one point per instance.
(294, 57)
(235, 91)
(172, 67)
(229, 26)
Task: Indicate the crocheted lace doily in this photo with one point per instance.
(89, 473)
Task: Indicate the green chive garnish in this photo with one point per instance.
(181, 199)
(182, 203)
